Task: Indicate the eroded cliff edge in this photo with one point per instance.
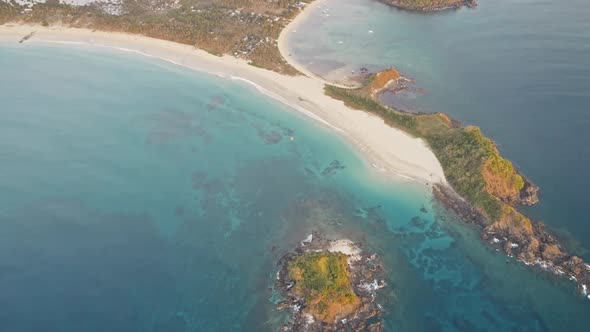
(484, 188)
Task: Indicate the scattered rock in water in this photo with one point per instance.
(529, 194)
(418, 222)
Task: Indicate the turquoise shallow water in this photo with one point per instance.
(141, 196)
(518, 69)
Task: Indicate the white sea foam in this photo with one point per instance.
(307, 240)
(348, 248)
(308, 319)
(371, 286)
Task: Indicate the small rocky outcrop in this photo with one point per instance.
(330, 286)
(388, 80)
(529, 194)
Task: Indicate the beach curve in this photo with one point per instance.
(390, 151)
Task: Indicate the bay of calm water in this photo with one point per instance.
(518, 69)
(141, 196)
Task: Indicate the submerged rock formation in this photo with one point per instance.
(330, 286)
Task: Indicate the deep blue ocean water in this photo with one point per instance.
(518, 69)
(136, 195)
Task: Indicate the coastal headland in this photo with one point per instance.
(482, 187)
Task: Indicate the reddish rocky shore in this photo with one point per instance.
(536, 247)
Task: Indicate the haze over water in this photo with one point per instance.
(518, 69)
(141, 196)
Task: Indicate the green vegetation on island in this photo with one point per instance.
(322, 279)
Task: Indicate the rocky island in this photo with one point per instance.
(485, 188)
(430, 5)
(330, 286)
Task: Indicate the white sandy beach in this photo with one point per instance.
(390, 151)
